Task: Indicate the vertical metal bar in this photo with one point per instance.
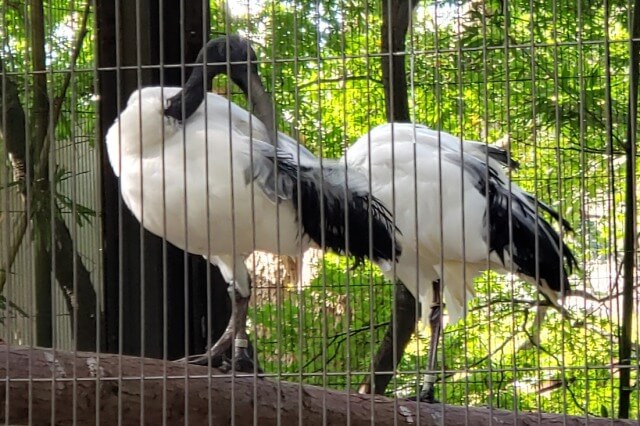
(164, 258)
(5, 218)
(279, 302)
(348, 278)
(558, 137)
(73, 221)
(583, 190)
(99, 208)
(51, 169)
(485, 117)
(319, 61)
(413, 107)
(298, 201)
(438, 83)
(209, 327)
(391, 115)
(185, 206)
(28, 213)
(458, 28)
(143, 269)
(257, 348)
(252, 273)
(610, 200)
(370, 280)
(507, 54)
(533, 63)
(234, 249)
(119, 79)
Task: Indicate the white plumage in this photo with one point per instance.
(181, 188)
(458, 215)
(438, 208)
(208, 177)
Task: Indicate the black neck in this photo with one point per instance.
(261, 104)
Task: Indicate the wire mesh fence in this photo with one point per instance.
(128, 217)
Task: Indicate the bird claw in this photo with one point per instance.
(242, 363)
(203, 359)
(427, 396)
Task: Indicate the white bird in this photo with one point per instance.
(206, 176)
(457, 213)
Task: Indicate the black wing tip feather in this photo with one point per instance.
(383, 244)
(552, 262)
(502, 156)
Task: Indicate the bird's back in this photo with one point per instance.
(452, 208)
(177, 178)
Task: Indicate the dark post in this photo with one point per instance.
(396, 17)
(131, 34)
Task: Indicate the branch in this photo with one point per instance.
(40, 107)
(339, 80)
(567, 92)
(74, 280)
(57, 107)
(75, 380)
(630, 218)
(12, 128)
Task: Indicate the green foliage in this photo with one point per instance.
(326, 334)
(534, 73)
(322, 334)
(553, 78)
(77, 122)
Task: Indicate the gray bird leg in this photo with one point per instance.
(236, 331)
(435, 324)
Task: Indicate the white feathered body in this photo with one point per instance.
(436, 207)
(193, 166)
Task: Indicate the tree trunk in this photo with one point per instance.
(12, 125)
(40, 205)
(122, 396)
(396, 16)
(75, 282)
(628, 291)
(394, 343)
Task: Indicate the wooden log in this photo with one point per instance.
(42, 386)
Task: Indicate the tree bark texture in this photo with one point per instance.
(12, 122)
(75, 281)
(630, 236)
(76, 381)
(396, 17)
(399, 331)
(40, 197)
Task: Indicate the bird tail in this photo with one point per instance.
(337, 211)
(548, 262)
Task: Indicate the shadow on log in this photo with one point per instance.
(78, 380)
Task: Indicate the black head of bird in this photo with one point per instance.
(231, 55)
